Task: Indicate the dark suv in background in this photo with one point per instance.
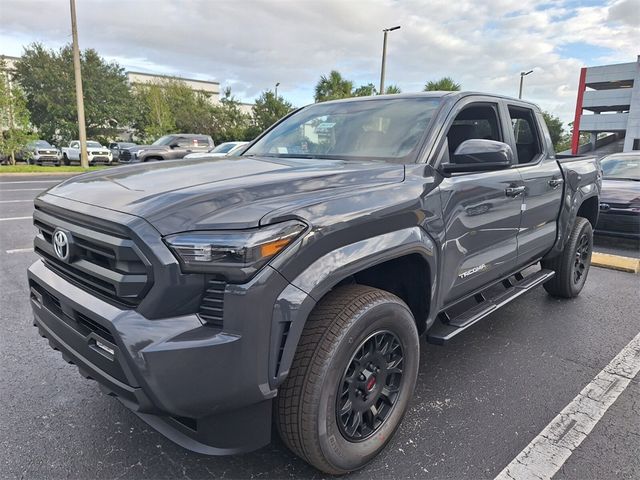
(169, 147)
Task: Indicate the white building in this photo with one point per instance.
(209, 88)
(609, 101)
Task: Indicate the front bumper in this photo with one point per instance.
(205, 388)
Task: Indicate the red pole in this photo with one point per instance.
(575, 139)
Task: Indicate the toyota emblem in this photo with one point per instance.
(61, 245)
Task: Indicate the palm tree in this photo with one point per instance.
(445, 84)
(392, 89)
(333, 87)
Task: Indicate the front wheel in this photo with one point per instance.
(572, 265)
(65, 160)
(351, 379)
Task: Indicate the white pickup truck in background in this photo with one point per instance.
(96, 153)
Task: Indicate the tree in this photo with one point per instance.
(229, 121)
(154, 117)
(333, 87)
(46, 76)
(392, 89)
(445, 84)
(266, 111)
(556, 129)
(15, 126)
(365, 90)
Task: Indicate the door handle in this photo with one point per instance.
(555, 182)
(514, 191)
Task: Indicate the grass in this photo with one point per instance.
(44, 169)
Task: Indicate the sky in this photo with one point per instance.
(251, 45)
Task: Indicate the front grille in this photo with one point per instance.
(125, 156)
(104, 262)
(99, 159)
(212, 304)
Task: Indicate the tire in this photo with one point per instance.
(572, 265)
(326, 375)
(65, 159)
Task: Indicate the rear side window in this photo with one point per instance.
(525, 132)
(201, 142)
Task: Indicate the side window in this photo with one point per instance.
(201, 142)
(474, 121)
(74, 145)
(525, 133)
(183, 142)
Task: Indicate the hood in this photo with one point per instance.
(620, 191)
(200, 194)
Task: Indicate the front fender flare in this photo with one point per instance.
(296, 302)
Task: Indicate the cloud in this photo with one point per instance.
(251, 45)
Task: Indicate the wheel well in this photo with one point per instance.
(589, 210)
(406, 277)
(152, 157)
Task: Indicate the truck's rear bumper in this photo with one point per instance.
(187, 380)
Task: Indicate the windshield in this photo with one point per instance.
(93, 145)
(223, 147)
(621, 168)
(166, 140)
(388, 128)
(41, 144)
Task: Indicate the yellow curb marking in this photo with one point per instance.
(615, 262)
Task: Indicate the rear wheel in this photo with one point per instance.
(351, 380)
(572, 265)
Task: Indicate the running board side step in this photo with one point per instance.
(445, 328)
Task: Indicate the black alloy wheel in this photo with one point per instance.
(369, 386)
(582, 258)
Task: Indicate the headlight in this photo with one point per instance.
(236, 254)
(137, 153)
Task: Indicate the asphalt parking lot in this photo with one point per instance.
(480, 400)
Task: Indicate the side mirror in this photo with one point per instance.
(174, 145)
(479, 155)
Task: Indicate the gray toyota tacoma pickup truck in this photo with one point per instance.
(295, 280)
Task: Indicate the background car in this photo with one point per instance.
(39, 152)
(168, 147)
(95, 151)
(116, 147)
(620, 199)
(223, 150)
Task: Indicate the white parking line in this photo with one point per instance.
(546, 454)
(20, 250)
(15, 218)
(22, 189)
(16, 201)
(34, 181)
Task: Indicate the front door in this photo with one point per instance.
(481, 210)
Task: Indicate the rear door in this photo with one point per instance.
(542, 178)
(481, 218)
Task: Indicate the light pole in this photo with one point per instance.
(276, 94)
(522, 75)
(384, 56)
(84, 159)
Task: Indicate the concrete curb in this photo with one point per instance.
(615, 262)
